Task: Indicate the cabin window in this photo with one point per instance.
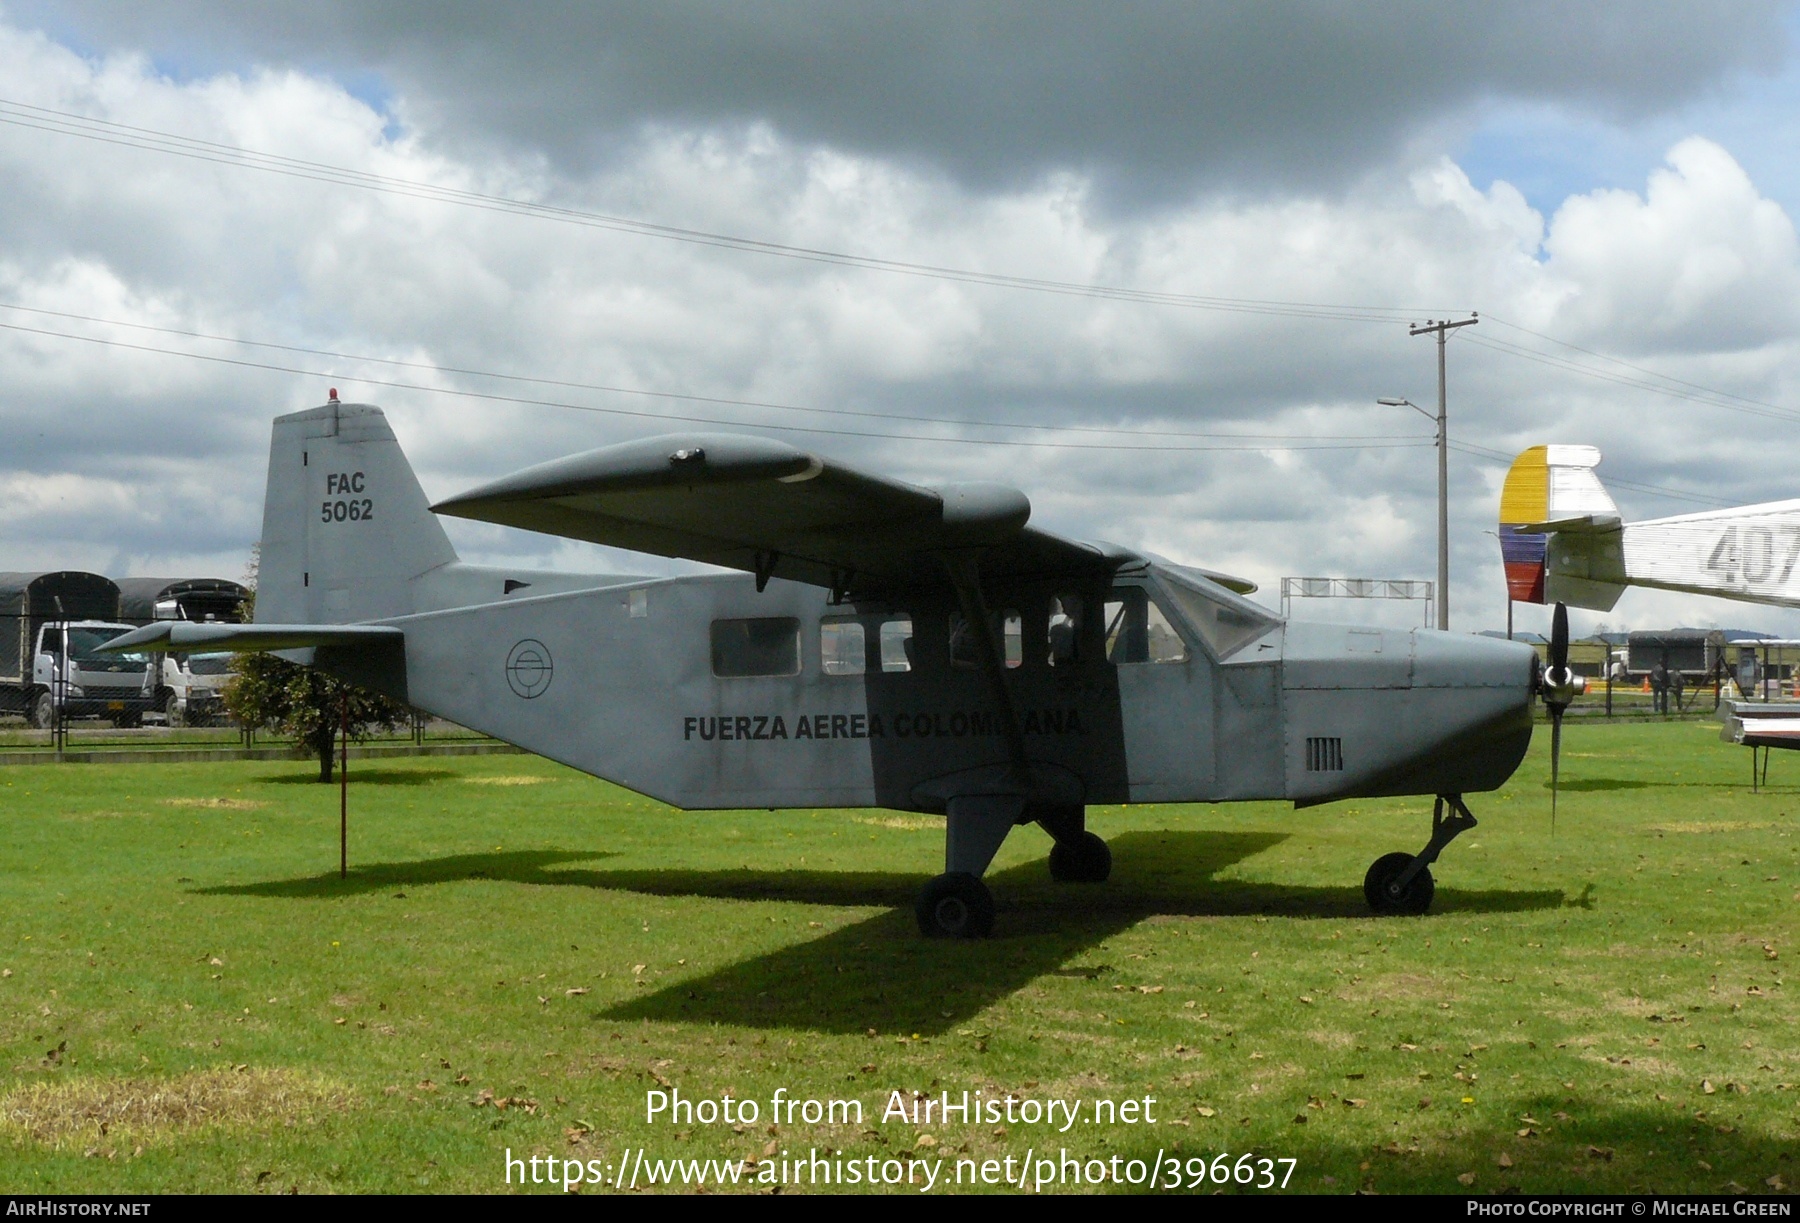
(965, 645)
(638, 604)
(743, 648)
(842, 649)
(1065, 630)
(897, 644)
(1138, 631)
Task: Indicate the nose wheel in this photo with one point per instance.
(1400, 884)
(1387, 895)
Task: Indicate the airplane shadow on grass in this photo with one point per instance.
(878, 973)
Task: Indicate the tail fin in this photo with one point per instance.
(1548, 487)
(346, 527)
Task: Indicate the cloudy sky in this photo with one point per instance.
(493, 221)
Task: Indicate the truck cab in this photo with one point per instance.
(191, 690)
(68, 674)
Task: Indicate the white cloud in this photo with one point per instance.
(145, 459)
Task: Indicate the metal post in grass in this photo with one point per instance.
(344, 787)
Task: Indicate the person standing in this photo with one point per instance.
(1659, 687)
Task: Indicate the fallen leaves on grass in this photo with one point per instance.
(518, 780)
(216, 804)
(485, 1098)
(70, 1111)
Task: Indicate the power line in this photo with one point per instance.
(432, 367)
(1693, 386)
(1705, 396)
(70, 124)
(526, 401)
(66, 123)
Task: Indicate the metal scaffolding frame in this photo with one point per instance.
(1359, 588)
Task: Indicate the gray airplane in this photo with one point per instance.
(879, 644)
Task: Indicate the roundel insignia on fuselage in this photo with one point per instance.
(529, 668)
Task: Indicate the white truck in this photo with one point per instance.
(192, 688)
(189, 686)
(51, 624)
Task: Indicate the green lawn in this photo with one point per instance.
(1598, 1010)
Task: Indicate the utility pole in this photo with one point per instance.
(1443, 328)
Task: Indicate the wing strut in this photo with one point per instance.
(965, 575)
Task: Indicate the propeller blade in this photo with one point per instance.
(1560, 690)
(1556, 714)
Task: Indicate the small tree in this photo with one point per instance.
(299, 703)
(305, 705)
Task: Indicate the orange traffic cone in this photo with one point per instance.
(1646, 683)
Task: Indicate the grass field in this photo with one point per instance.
(193, 1001)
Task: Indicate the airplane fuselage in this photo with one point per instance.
(704, 693)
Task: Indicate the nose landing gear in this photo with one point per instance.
(1399, 883)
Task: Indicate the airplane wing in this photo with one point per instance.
(187, 637)
(768, 508)
(1563, 541)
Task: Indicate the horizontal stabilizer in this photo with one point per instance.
(1582, 524)
(185, 637)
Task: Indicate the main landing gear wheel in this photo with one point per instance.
(1410, 901)
(956, 905)
(1083, 859)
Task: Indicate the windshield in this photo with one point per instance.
(83, 642)
(1226, 622)
(209, 664)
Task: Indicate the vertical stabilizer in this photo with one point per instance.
(1545, 484)
(346, 527)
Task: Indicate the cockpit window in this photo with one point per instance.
(1224, 621)
(1137, 630)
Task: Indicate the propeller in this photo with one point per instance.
(1559, 687)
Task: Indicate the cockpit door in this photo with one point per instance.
(1165, 694)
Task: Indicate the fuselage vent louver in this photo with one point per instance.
(1325, 755)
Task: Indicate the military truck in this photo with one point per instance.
(51, 624)
(189, 689)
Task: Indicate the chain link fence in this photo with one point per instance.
(21, 743)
